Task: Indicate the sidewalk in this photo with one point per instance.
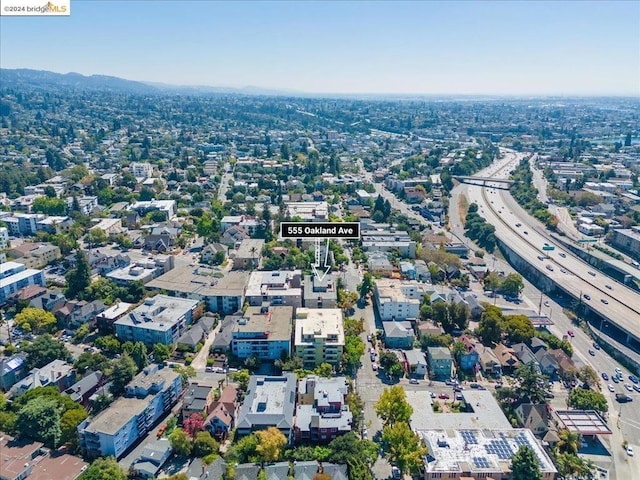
(200, 361)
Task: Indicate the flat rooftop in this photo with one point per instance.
(479, 452)
(117, 415)
(486, 412)
(278, 283)
(158, 313)
(200, 281)
(584, 422)
(275, 320)
(320, 323)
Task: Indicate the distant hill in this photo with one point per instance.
(42, 78)
(46, 79)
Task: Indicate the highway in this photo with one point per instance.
(613, 301)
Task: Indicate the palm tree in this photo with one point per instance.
(253, 251)
(569, 442)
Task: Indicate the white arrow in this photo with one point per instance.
(318, 264)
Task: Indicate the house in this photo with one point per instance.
(49, 300)
(322, 414)
(223, 414)
(82, 390)
(154, 455)
(76, 313)
(469, 359)
(211, 251)
(234, 235)
(440, 361)
(379, 264)
(537, 344)
(12, 370)
(422, 271)
(506, 357)
(416, 363)
(190, 339)
(398, 334)
(277, 471)
(547, 362)
(335, 472)
(305, 470)
(269, 402)
(408, 270)
(199, 471)
(525, 355)
(566, 367)
(475, 307)
(57, 373)
(535, 417)
(247, 471)
(198, 398)
(248, 254)
(222, 341)
(488, 361)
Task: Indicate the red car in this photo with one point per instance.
(443, 396)
(570, 333)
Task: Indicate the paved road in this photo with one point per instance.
(199, 362)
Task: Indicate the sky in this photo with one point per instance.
(471, 47)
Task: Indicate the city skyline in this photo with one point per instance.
(400, 48)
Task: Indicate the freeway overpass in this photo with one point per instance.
(500, 183)
(611, 307)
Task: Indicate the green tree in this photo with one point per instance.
(79, 277)
(44, 350)
(39, 419)
(492, 282)
(354, 348)
(569, 441)
(519, 328)
(96, 236)
(366, 287)
(104, 469)
(109, 344)
(68, 426)
(124, 370)
(512, 285)
(490, 326)
(241, 378)
(139, 355)
(180, 442)
(392, 406)
(36, 320)
(161, 352)
(348, 448)
(49, 206)
(204, 444)
(403, 447)
(324, 370)
(92, 361)
(583, 399)
(524, 465)
(271, 444)
(530, 383)
(588, 376)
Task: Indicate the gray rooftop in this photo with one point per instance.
(278, 321)
(200, 281)
(269, 401)
(158, 313)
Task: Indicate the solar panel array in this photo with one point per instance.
(500, 448)
(522, 441)
(481, 462)
(469, 437)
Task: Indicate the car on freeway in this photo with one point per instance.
(518, 225)
(570, 333)
(611, 389)
(592, 353)
(636, 388)
(526, 233)
(633, 378)
(546, 303)
(628, 387)
(618, 371)
(562, 270)
(605, 377)
(596, 346)
(609, 287)
(593, 274)
(562, 254)
(615, 379)
(541, 258)
(623, 398)
(444, 396)
(413, 381)
(605, 301)
(587, 296)
(630, 450)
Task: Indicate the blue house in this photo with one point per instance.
(408, 270)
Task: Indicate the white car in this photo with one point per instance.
(628, 387)
(611, 389)
(630, 450)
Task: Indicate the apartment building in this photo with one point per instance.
(15, 276)
(275, 288)
(398, 300)
(319, 335)
(264, 332)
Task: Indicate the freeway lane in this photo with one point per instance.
(619, 304)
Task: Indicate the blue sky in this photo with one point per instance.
(458, 47)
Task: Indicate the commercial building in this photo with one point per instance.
(160, 319)
(220, 295)
(264, 332)
(319, 335)
(269, 402)
(275, 288)
(455, 454)
(14, 276)
(149, 396)
(398, 300)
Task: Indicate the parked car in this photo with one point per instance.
(444, 396)
(374, 366)
(413, 381)
(161, 430)
(611, 389)
(570, 333)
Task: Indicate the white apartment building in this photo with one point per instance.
(398, 300)
(319, 335)
(141, 169)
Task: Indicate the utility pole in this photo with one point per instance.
(540, 305)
